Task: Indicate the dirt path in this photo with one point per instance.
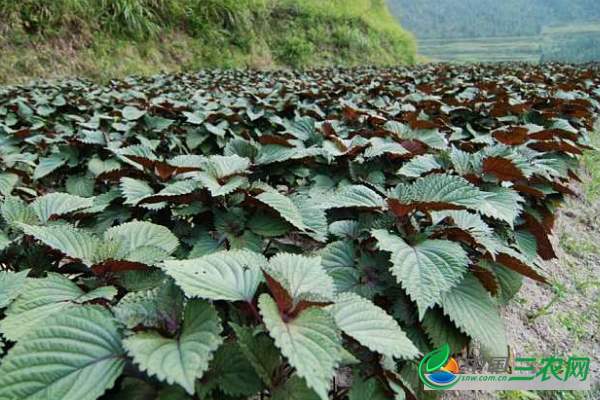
(561, 319)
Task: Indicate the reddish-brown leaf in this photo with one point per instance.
(560, 188)
(472, 178)
(518, 109)
(512, 136)
(183, 170)
(179, 199)
(117, 174)
(400, 209)
(118, 266)
(455, 234)
(574, 176)
(503, 169)
(351, 113)
(518, 266)
(499, 110)
(437, 206)
(524, 189)
(164, 171)
(271, 139)
(303, 305)
(145, 162)
(414, 146)
(487, 279)
(22, 133)
(551, 134)
(418, 124)
(554, 146)
(339, 143)
(376, 120)
(24, 175)
(282, 297)
(328, 129)
(539, 231)
(548, 218)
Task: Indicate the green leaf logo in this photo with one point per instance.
(437, 358)
(432, 362)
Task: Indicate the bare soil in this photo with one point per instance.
(560, 319)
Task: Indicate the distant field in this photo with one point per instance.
(570, 42)
(527, 49)
(590, 27)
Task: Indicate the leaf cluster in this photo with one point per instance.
(229, 234)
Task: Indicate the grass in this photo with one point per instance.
(578, 245)
(591, 163)
(559, 292)
(51, 39)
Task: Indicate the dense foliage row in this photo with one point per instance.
(228, 234)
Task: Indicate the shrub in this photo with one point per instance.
(227, 234)
(295, 51)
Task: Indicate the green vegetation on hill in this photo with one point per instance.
(102, 39)
(564, 43)
(489, 18)
(572, 42)
(491, 30)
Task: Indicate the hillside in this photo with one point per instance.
(489, 18)
(510, 30)
(104, 39)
